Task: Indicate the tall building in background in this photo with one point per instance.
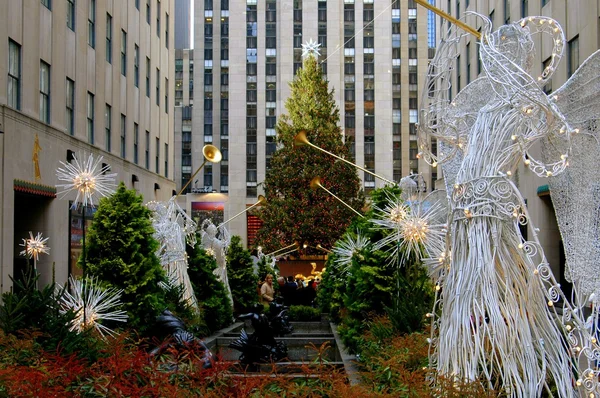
(374, 54)
(79, 77)
(580, 20)
(184, 100)
(183, 18)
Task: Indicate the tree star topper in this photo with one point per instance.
(311, 47)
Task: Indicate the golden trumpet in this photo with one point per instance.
(261, 201)
(316, 183)
(282, 249)
(211, 154)
(300, 139)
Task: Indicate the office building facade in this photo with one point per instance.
(78, 78)
(374, 55)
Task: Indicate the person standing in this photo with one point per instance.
(266, 290)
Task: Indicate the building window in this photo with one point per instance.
(544, 2)
(123, 53)
(44, 92)
(167, 160)
(14, 75)
(545, 66)
(136, 65)
(157, 87)
(90, 117)
(468, 55)
(137, 4)
(47, 3)
(167, 30)
(573, 60)
(166, 95)
(147, 154)
(107, 128)
(92, 23)
(109, 35)
(70, 100)
(148, 11)
(524, 8)
(147, 77)
(506, 12)
(71, 14)
(136, 141)
(123, 133)
(158, 18)
(156, 164)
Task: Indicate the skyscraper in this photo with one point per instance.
(373, 53)
(183, 17)
(79, 78)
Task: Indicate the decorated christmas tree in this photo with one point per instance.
(295, 213)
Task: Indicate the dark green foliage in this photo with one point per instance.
(210, 292)
(370, 286)
(295, 212)
(412, 299)
(27, 309)
(304, 313)
(242, 280)
(264, 268)
(121, 253)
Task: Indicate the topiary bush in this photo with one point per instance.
(210, 292)
(121, 253)
(242, 281)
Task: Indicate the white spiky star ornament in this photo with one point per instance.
(311, 47)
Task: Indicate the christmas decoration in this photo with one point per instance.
(294, 212)
(91, 305)
(496, 295)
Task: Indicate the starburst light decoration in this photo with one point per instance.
(348, 247)
(91, 305)
(89, 178)
(311, 47)
(34, 246)
(411, 227)
(495, 320)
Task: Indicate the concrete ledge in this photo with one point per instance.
(349, 360)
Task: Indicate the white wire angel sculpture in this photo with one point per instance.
(216, 242)
(173, 228)
(498, 321)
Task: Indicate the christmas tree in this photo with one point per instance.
(295, 213)
(121, 253)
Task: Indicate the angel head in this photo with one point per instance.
(514, 42)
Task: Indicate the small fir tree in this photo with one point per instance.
(295, 213)
(121, 253)
(210, 292)
(242, 281)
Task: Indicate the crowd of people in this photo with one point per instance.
(292, 291)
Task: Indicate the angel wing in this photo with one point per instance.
(575, 193)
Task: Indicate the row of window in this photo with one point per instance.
(14, 97)
(92, 18)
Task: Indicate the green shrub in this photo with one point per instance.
(242, 281)
(210, 292)
(304, 313)
(121, 254)
(27, 310)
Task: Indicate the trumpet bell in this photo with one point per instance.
(262, 200)
(315, 183)
(300, 139)
(212, 153)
